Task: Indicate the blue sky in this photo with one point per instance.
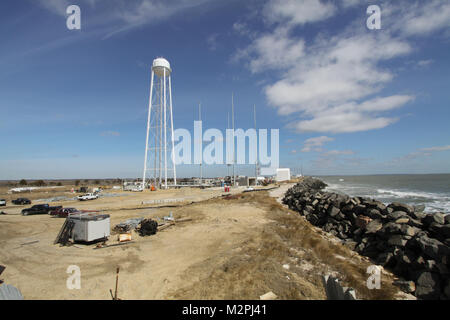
(347, 100)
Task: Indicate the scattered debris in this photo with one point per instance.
(165, 226)
(286, 266)
(169, 218)
(114, 297)
(148, 227)
(335, 291)
(124, 237)
(2, 268)
(104, 245)
(230, 197)
(31, 242)
(268, 296)
(128, 225)
(183, 220)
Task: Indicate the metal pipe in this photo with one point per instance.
(165, 132)
(173, 138)
(148, 129)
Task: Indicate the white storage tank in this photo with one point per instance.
(283, 174)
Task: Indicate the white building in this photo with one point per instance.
(283, 174)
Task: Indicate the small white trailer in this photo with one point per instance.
(90, 226)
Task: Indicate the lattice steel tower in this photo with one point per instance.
(159, 143)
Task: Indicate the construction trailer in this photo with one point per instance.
(90, 227)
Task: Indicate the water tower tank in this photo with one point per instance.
(159, 64)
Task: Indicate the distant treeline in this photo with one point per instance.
(55, 183)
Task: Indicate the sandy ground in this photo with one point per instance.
(238, 248)
(150, 267)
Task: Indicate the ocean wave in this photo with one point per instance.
(411, 194)
(434, 202)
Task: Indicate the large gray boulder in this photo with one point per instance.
(418, 215)
(397, 240)
(419, 208)
(391, 228)
(438, 218)
(333, 211)
(432, 247)
(447, 219)
(409, 231)
(401, 207)
(397, 215)
(427, 286)
(374, 226)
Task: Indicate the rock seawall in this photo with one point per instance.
(412, 244)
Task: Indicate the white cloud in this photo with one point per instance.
(298, 12)
(420, 18)
(56, 6)
(212, 41)
(338, 152)
(437, 149)
(110, 134)
(350, 3)
(424, 63)
(328, 84)
(272, 51)
(424, 152)
(115, 16)
(315, 144)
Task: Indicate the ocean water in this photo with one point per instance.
(431, 190)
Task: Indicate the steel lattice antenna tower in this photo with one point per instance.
(160, 117)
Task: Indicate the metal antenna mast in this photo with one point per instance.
(228, 127)
(234, 153)
(160, 119)
(201, 162)
(256, 147)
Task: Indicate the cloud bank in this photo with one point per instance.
(333, 83)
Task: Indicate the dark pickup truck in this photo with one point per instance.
(39, 209)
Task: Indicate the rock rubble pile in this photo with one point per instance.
(414, 245)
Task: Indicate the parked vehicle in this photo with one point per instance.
(39, 209)
(21, 201)
(87, 196)
(63, 212)
(2, 202)
(83, 190)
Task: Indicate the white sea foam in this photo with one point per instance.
(411, 194)
(434, 202)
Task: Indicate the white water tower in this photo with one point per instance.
(159, 143)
